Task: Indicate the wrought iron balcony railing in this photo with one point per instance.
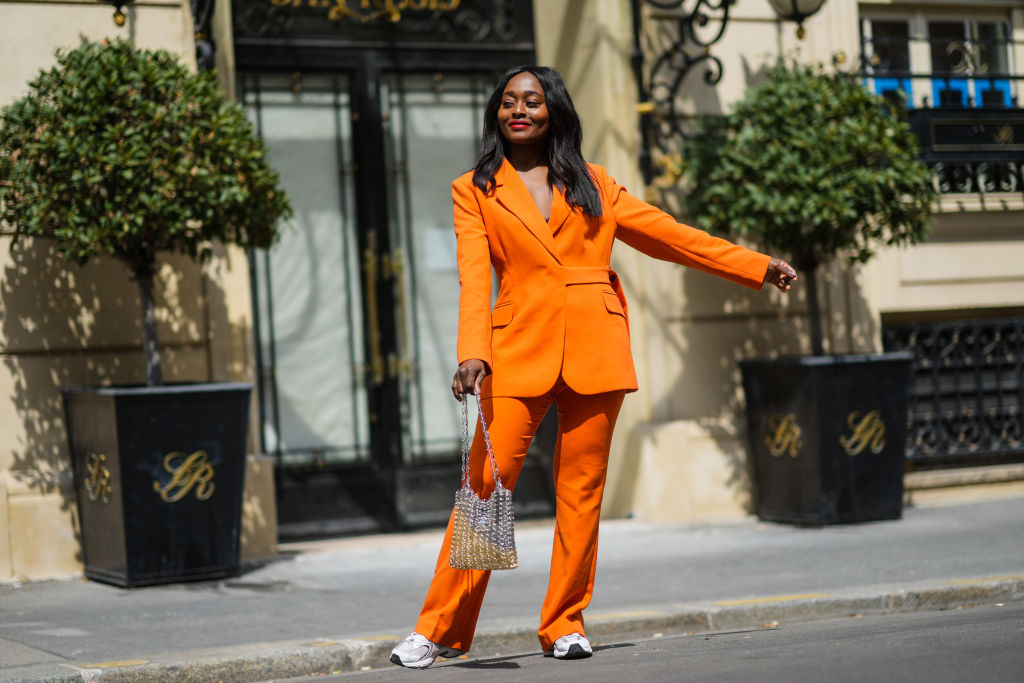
(965, 106)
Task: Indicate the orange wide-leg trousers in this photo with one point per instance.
(585, 424)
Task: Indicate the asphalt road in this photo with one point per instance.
(984, 643)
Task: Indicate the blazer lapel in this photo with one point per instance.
(560, 211)
(512, 194)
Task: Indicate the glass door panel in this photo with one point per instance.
(307, 291)
(432, 125)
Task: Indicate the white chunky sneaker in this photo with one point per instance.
(419, 652)
(572, 646)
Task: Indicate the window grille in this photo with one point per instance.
(967, 396)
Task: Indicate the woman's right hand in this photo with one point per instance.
(469, 377)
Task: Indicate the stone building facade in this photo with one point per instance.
(369, 110)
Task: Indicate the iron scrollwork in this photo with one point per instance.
(977, 178)
(967, 398)
(682, 39)
(257, 19)
(469, 21)
(476, 26)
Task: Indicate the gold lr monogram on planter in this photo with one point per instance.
(783, 435)
(867, 432)
(192, 472)
(97, 478)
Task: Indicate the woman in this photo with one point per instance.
(546, 220)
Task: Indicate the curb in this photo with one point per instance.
(267, 661)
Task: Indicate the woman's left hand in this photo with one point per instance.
(780, 274)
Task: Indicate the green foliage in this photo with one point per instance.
(123, 151)
(813, 165)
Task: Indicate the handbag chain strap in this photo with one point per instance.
(466, 442)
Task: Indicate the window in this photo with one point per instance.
(963, 88)
(969, 63)
(949, 63)
(887, 47)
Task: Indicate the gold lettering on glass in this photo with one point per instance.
(187, 473)
(97, 478)
(371, 10)
(867, 432)
(783, 435)
(1004, 134)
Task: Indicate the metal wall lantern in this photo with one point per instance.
(202, 19)
(796, 11)
(119, 15)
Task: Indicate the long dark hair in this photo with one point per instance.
(566, 166)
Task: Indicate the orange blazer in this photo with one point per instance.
(560, 308)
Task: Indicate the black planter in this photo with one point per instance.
(827, 436)
(159, 473)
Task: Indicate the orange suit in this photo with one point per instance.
(558, 332)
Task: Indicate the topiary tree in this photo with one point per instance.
(125, 152)
(813, 165)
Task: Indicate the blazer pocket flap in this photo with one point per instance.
(501, 315)
(611, 302)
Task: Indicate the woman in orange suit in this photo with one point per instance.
(545, 220)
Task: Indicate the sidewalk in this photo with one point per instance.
(340, 605)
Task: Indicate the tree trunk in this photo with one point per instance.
(809, 270)
(150, 345)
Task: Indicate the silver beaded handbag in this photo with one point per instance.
(484, 535)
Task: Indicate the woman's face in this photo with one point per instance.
(523, 113)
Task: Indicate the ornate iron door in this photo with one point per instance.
(368, 117)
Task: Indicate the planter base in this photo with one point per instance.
(159, 474)
(827, 436)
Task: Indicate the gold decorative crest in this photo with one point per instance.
(187, 473)
(1004, 134)
(783, 435)
(867, 432)
(97, 478)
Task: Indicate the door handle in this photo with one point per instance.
(399, 365)
(370, 276)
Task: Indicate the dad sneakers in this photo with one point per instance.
(419, 652)
(572, 646)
